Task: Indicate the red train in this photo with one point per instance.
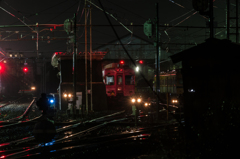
(119, 80)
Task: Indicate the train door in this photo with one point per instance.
(119, 84)
(129, 85)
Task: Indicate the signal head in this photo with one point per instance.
(51, 101)
(25, 69)
(122, 62)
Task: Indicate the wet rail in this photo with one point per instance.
(16, 121)
(60, 147)
(65, 128)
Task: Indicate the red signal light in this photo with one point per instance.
(1, 67)
(141, 61)
(121, 62)
(25, 69)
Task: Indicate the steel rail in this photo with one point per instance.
(30, 138)
(62, 139)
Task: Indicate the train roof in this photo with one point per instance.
(115, 65)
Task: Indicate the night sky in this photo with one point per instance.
(175, 13)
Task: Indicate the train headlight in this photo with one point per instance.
(139, 100)
(174, 101)
(133, 100)
(65, 95)
(69, 95)
(146, 104)
(33, 88)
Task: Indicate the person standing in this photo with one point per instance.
(43, 103)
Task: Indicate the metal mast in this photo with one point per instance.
(228, 21)
(90, 30)
(86, 56)
(74, 65)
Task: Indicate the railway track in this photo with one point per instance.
(30, 140)
(75, 136)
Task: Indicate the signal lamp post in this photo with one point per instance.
(136, 103)
(68, 97)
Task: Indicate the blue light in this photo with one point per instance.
(51, 101)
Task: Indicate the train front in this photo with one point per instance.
(119, 80)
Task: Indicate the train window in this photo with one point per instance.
(129, 80)
(109, 80)
(119, 80)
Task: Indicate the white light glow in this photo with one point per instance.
(137, 68)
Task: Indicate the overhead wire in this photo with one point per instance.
(84, 29)
(127, 52)
(123, 45)
(15, 17)
(181, 16)
(111, 16)
(176, 3)
(127, 10)
(78, 7)
(61, 12)
(55, 5)
(17, 11)
(182, 21)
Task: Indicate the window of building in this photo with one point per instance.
(109, 80)
(129, 80)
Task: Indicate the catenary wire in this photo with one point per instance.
(15, 17)
(62, 12)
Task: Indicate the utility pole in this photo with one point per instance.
(37, 40)
(149, 31)
(158, 60)
(74, 65)
(90, 30)
(227, 18)
(86, 89)
(211, 19)
(228, 21)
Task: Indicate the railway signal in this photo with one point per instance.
(25, 69)
(122, 62)
(140, 61)
(1, 67)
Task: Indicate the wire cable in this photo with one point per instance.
(43, 10)
(62, 12)
(182, 20)
(181, 16)
(78, 7)
(127, 10)
(125, 48)
(128, 53)
(16, 17)
(176, 3)
(111, 16)
(17, 11)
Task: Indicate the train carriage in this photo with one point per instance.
(119, 80)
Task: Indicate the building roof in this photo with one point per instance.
(211, 48)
